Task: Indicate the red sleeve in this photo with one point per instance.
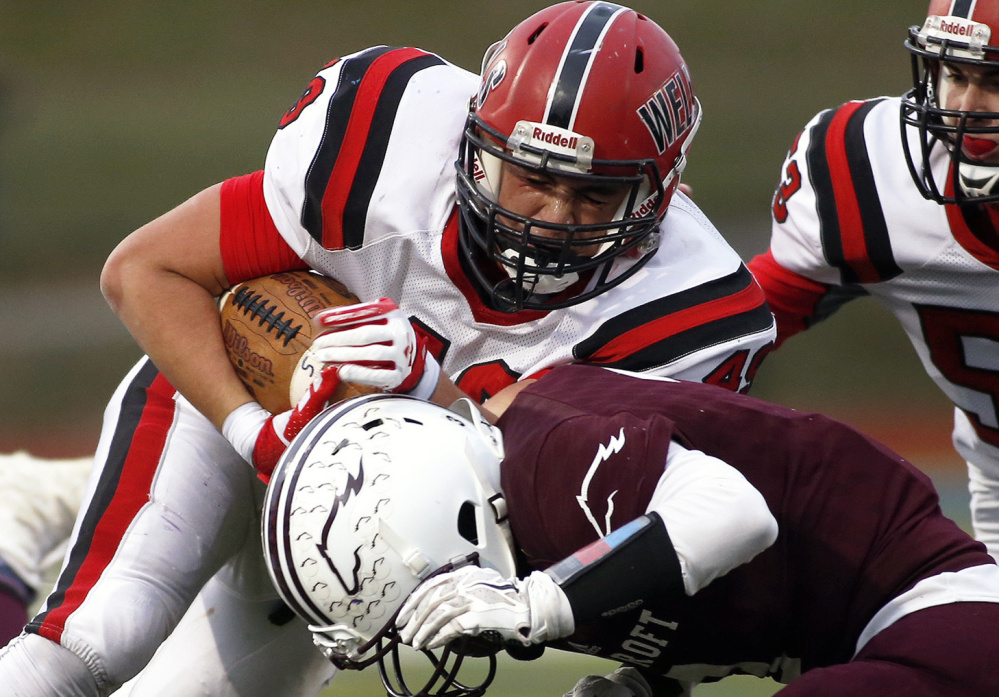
(792, 298)
(251, 245)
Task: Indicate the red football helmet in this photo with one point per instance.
(589, 91)
(955, 31)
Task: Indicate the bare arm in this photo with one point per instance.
(161, 281)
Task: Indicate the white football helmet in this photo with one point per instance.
(372, 497)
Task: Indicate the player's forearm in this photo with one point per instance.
(161, 281)
(183, 338)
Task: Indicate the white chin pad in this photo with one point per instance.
(978, 180)
(539, 284)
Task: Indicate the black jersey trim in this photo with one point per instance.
(337, 117)
(695, 339)
(369, 166)
(825, 203)
(875, 230)
(373, 156)
(675, 346)
(872, 213)
(132, 408)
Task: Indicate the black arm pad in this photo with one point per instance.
(621, 571)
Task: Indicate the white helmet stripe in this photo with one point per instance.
(567, 88)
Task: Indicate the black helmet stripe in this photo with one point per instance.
(574, 68)
(963, 8)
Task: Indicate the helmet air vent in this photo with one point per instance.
(639, 60)
(467, 527)
(537, 32)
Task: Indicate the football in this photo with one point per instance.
(267, 330)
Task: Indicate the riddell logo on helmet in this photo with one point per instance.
(645, 208)
(958, 28)
(669, 112)
(555, 138)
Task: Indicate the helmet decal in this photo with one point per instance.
(331, 531)
(668, 111)
(490, 82)
(570, 83)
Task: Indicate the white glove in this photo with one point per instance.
(472, 601)
(623, 682)
(375, 344)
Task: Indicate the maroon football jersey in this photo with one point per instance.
(857, 523)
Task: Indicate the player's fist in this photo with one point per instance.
(375, 344)
(261, 437)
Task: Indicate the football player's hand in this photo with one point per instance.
(627, 682)
(472, 601)
(261, 437)
(375, 344)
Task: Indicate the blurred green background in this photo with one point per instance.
(111, 113)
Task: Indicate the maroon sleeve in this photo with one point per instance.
(571, 478)
(250, 243)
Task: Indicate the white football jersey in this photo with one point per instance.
(848, 217)
(360, 182)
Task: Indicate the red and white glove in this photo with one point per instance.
(375, 344)
(261, 437)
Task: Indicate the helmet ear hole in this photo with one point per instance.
(468, 528)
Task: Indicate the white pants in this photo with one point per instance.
(170, 509)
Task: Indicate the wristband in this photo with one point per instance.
(427, 385)
(242, 427)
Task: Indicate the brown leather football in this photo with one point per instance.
(267, 329)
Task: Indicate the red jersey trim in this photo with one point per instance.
(635, 340)
(123, 491)
(851, 222)
(480, 311)
(365, 104)
(250, 244)
(792, 297)
(963, 234)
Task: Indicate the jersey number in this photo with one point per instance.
(731, 373)
(310, 95)
(964, 346)
(785, 190)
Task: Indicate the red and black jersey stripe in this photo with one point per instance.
(359, 122)
(852, 223)
(666, 329)
(146, 416)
